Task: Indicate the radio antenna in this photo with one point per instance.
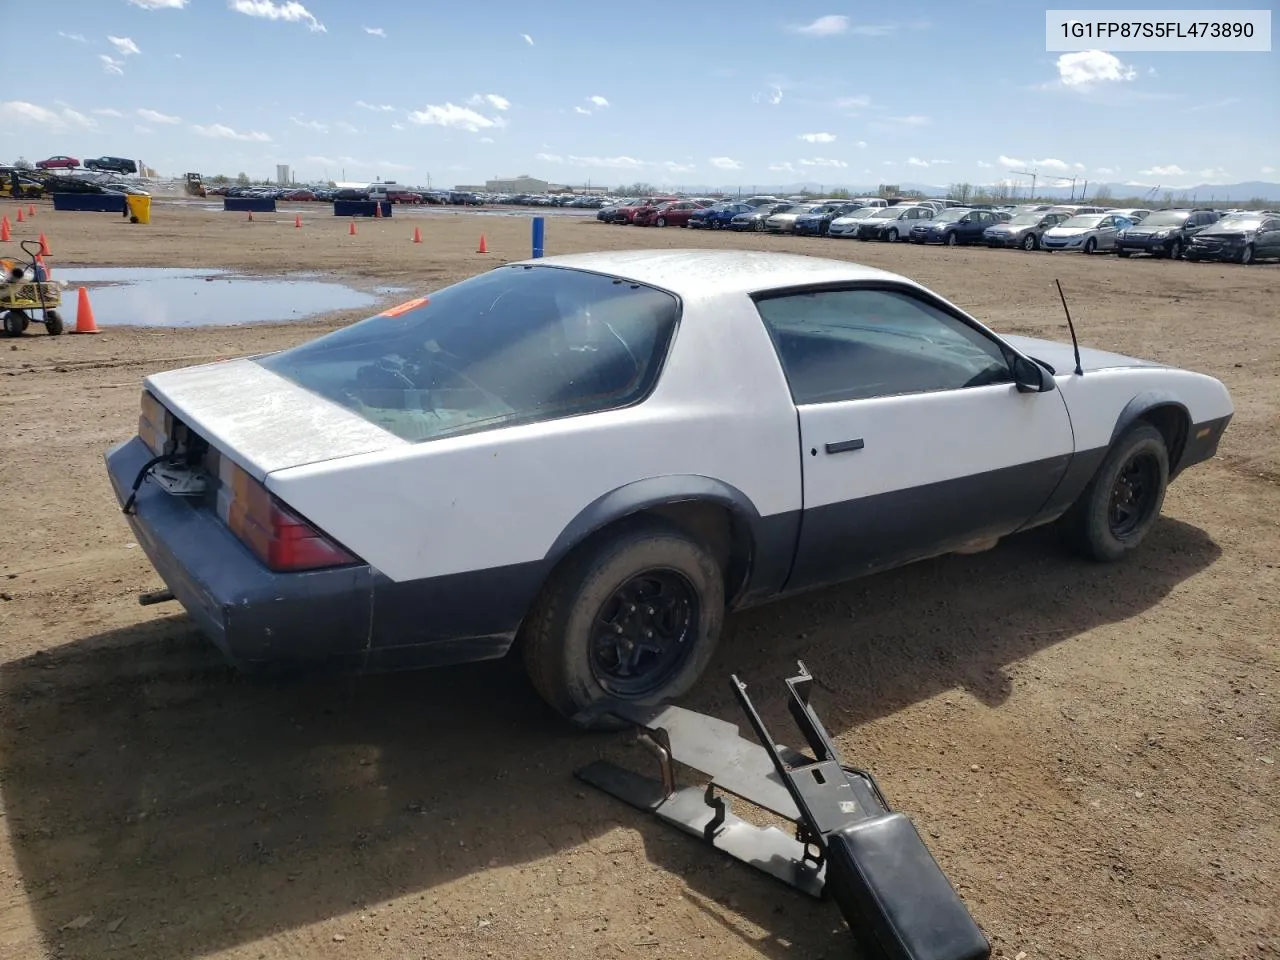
(1075, 344)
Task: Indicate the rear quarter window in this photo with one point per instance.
(515, 345)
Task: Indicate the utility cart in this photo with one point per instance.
(28, 296)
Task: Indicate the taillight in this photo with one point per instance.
(154, 424)
(278, 536)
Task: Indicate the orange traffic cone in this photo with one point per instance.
(417, 235)
(484, 247)
(21, 218)
(5, 232)
(48, 274)
(351, 231)
(377, 209)
(84, 314)
(31, 209)
(297, 221)
(44, 245)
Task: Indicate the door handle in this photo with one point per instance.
(844, 446)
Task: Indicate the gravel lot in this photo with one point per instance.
(1089, 750)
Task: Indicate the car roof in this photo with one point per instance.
(698, 272)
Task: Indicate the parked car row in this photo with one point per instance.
(1195, 234)
(107, 164)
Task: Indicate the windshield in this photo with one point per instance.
(861, 212)
(885, 213)
(950, 215)
(1084, 222)
(1239, 222)
(1026, 220)
(1166, 218)
(513, 345)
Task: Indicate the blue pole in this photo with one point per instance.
(539, 236)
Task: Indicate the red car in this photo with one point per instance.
(58, 163)
(404, 196)
(675, 213)
(628, 214)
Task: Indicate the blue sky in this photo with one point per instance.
(713, 92)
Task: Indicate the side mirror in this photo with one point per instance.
(1030, 377)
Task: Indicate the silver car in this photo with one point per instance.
(1086, 233)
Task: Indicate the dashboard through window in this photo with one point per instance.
(857, 344)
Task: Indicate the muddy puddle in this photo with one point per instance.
(181, 297)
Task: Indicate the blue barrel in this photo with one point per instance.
(92, 202)
(360, 208)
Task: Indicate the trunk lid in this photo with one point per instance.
(262, 421)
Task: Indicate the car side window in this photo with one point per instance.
(857, 344)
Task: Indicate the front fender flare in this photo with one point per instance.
(1145, 402)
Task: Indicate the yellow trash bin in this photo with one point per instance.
(140, 208)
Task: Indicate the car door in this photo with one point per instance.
(1267, 242)
(913, 436)
(972, 225)
(1105, 233)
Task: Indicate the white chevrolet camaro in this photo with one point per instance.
(593, 457)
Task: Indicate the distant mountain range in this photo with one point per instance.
(1202, 193)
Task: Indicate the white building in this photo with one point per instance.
(284, 176)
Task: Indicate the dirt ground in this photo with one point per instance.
(1088, 750)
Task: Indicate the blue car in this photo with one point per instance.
(818, 222)
(718, 216)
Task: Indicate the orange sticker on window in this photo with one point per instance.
(404, 307)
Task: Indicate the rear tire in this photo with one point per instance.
(1029, 242)
(53, 323)
(892, 235)
(1122, 502)
(952, 240)
(1246, 255)
(568, 640)
(1091, 246)
(15, 323)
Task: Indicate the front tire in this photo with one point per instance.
(952, 240)
(660, 222)
(892, 235)
(1122, 502)
(1090, 246)
(1029, 242)
(1246, 255)
(53, 323)
(633, 617)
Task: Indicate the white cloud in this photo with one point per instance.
(817, 137)
(911, 120)
(315, 125)
(160, 4)
(548, 157)
(823, 162)
(582, 110)
(176, 56)
(1169, 170)
(108, 112)
(783, 167)
(345, 127)
(218, 131)
(1051, 163)
(382, 107)
(124, 46)
(611, 163)
(398, 126)
(77, 37)
(290, 12)
(490, 99)
(599, 101)
(1011, 161)
(111, 65)
(1268, 170)
(1214, 173)
(828, 26)
(1085, 68)
(861, 144)
(456, 117)
(724, 163)
(21, 111)
(355, 162)
(917, 162)
(527, 39)
(139, 128)
(375, 31)
(983, 164)
(860, 102)
(1106, 171)
(155, 116)
(772, 96)
(673, 167)
(486, 139)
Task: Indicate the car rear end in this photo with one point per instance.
(262, 582)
